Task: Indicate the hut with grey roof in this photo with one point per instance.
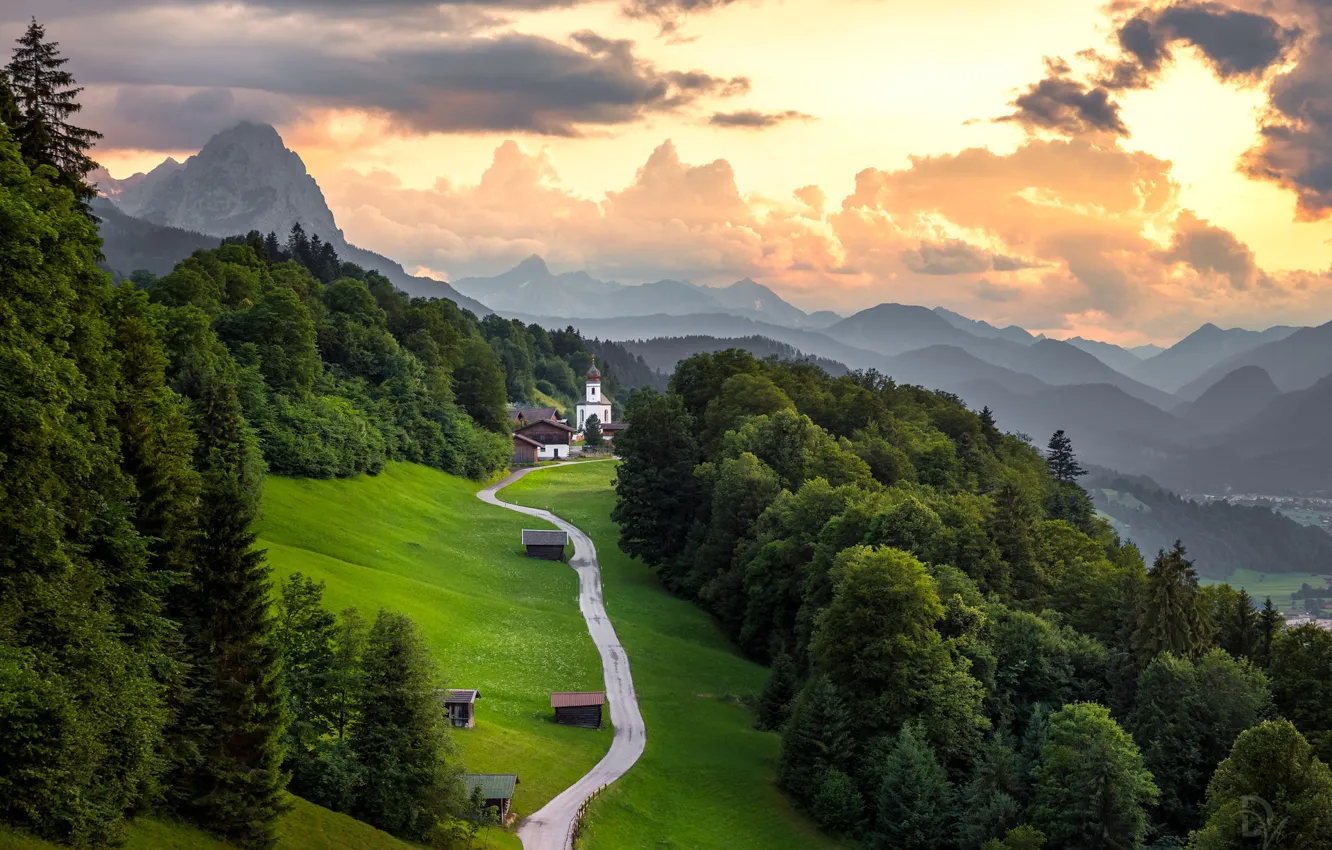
(541, 543)
(460, 705)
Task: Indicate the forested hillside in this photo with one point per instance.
(963, 654)
(1225, 537)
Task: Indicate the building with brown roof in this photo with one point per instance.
(578, 708)
(554, 438)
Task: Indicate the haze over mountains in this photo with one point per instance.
(1222, 408)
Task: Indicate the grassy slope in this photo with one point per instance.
(420, 542)
(305, 827)
(707, 777)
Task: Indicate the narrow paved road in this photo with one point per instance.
(551, 828)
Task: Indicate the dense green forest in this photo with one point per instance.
(964, 655)
(145, 665)
(1225, 537)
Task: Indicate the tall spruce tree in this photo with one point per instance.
(1270, 623)
(915, 803)
(412, 782)
(1061, 461)
(778, 692)
(1172, 618)
(231, 781)
(46, 97)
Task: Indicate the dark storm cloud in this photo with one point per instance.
(169, 118)
(438, 83)
(1068, 106)
(1235, 43)
(752, 119)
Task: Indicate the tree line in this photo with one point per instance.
(963, 654)
(142, 665)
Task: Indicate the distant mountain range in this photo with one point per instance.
(1221, 409)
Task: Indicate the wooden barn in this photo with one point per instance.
(460, 703)
(554, 438)
(610, 429)
(525, 451)
(496, 790)
(578, 708)
(545, 544)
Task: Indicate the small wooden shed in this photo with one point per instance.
(545, 544)
(496, 790)
(460, 703)
(525, 451)
(578, 708)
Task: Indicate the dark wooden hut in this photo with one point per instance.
(554, 436)
(545, 544)
(460, 703)
(578, 708)
(496, 790)
(525, 451)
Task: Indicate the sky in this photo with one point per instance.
(1120, 171)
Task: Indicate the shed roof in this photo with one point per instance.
(532, 414)
(577, 699)
(494, 786)
(521, 438)
(542, 537)
(456, 695)
(614, 426)
(557, 423)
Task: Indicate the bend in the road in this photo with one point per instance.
(551, 828)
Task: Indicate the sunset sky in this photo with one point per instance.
(1122, 171)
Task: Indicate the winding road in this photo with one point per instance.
(551, 828)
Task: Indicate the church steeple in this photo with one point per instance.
(593, 392)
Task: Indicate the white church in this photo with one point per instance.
(593, 403)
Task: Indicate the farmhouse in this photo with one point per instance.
(460, 703)
(541, 543)
(525, 451)
(578, 708)
(554, 438)
(496, 790)
(594, 403)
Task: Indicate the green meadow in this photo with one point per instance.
(305, 827)
(1279, 586)
(418, 541)
(707, 779)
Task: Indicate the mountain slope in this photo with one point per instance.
(948, 367)
(756, 299)
(896, 328)
(1295, 361)
(985, 330)
(1061, 364)
(1120, 359)
(1236, 398)
(130, 244)
(1200, 352)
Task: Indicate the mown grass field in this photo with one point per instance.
(305, 827)
(1279, 586)
(417, 541)
(707, 779)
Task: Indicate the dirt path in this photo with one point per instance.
(551, 828)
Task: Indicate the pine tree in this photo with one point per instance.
(989, 429)
(817, 738)
(1242, 635)
(592, 432)
(400, 737)
(1270, 622)
(838, 805)
(272, 249)
(46, 97)
(298, 245)
(235, 719)
(1061, 461)
(780, 689)
(1172, 618)
(916, 806)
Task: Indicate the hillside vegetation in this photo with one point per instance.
(963, 653)
(419, 542)
(707, 780)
